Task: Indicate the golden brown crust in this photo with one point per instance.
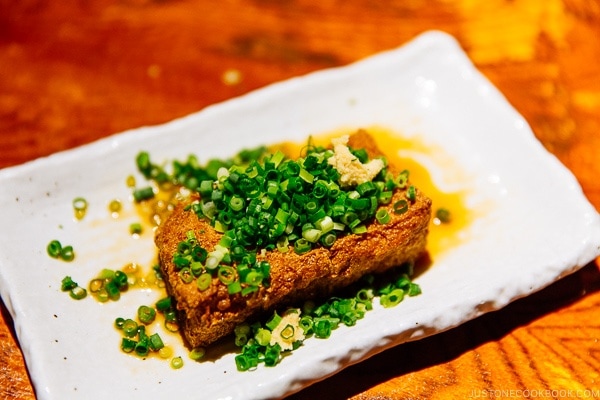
(206, 316)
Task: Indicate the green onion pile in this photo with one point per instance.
(277, 202)
(136, 340)
(195, 263)
(267, 201)
(109, 285)
(260, 342)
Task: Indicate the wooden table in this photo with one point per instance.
(73, 72)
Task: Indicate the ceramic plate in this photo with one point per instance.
(533, 223)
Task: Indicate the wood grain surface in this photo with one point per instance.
(75, 71)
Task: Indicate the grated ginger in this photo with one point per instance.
(288, 330)
(352, 171)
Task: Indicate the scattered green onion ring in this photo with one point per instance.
(411, 193)
(176, 362)
(146, 314)
(156, 342)
(130, 328)
(128, 345)
(142, 194)
(54, 248)
(197, 353)
(443, 215)
(400, 207)
(392, 299)
(114, 206)
(382, 216)
(135, 228)
(78, 293)
(67, 253)
(204, 280)
(80, 207)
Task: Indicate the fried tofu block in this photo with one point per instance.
(206, 316)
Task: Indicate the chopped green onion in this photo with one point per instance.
(204, 280)
(106, 274)
(267, 203)
(171, 321)
(328, 239)
(366, 188)
(78, 293)
(302, 246)
(119, 322)
(142, 194)
(244, 363)
(113, 291)
(146, 314)
(102, 296)
(197, 353)
(142, 348)
(176, 362)
(185, 274)
(400, 207)
(135, 228)
(226, 274)
(393, 298)
(128, 345)
(382, 216)
(164, 304)
(272, 355)
(114, 206)
(414, 289)
(306, 323)
(67, 253)
(242, 333)
(143, 163)
(254, 278)
(263, 336)
(319, 320)
(130, 181)
(359, 229)
(274, 321)
(322, 327)
(68, 284)
(234, 287)
(54, 248)
(165, 353)
(248, 290)
(364, 295)
(385, 197)
(402, 179)
(80, 207)
(156, 342)
(311, 235)
(120, 280)
(306, 176)
(130, 328)
(411, 193)
(443, 215)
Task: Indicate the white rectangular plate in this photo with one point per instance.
(537, 225)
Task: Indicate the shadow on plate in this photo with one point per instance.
(450, 345)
